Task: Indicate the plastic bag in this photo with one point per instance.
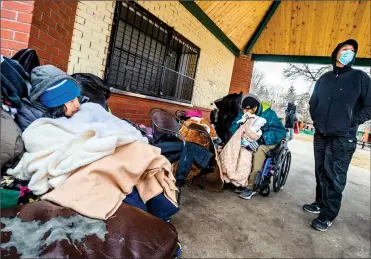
(28, 59)
(93, 88)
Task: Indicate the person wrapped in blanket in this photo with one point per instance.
(88, 158)
(273, 132)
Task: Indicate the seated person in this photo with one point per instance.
(86, 146)
(61, 99)
(273, 133)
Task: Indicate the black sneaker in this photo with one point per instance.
(312, 208)
(321, 225)
(238, 190)
(247, 193)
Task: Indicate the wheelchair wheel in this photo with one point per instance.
(285, 169)
(266, 191)
(282, 170)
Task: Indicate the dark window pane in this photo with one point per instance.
(144, 60)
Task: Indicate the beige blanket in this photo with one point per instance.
(236, 161)
(98, 189)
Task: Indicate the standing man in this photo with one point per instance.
(340, 102)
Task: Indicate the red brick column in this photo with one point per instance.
(51, 31)
(46, 26)
(241, 75)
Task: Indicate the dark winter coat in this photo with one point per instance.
(341, 100)
(290, 116)
(14, 81)
(228, 111)
(28, 113)
(273, 131)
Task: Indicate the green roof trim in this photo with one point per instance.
(305, 59)
(197, 12)
(268, 15)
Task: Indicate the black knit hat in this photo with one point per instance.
(250, 101)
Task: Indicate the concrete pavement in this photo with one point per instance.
(221, 225)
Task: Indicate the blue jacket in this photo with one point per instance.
(273, 131)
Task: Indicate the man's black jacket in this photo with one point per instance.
(341, 100)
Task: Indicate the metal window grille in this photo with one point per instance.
(148, 57)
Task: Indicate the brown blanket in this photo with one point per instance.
(97, 190)
(45, 230)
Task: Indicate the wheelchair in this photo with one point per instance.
(276, 165)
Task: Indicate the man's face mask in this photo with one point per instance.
(346, 57)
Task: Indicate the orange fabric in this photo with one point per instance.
(197, 137)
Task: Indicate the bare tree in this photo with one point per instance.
(305, 71)
(303, 107)
(308, 72)
(257, 79)
(258, 86)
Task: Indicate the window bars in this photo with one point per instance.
(148, 57)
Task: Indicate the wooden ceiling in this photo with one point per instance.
(314, 28)
(302, 28)
(237, 19)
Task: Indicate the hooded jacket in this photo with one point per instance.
(14, 81)
(273, 130)
(41, 78)
(341, 99)
(290, 116)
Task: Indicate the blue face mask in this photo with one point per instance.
(346, 57)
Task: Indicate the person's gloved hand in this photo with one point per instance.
(244, 142)
(253, 146)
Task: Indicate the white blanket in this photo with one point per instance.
(256, 123)
(57, 147)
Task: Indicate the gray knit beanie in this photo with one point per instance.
(43, 77)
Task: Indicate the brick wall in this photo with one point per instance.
(137, 109)
(91, 35)
(16, 19)
(242, 73)
(45, 26)
(51, 31)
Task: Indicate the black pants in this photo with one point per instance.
(186, 155)
(332, 158)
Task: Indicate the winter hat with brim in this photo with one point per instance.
(43, 77)
(250, 101)
(59, 94)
